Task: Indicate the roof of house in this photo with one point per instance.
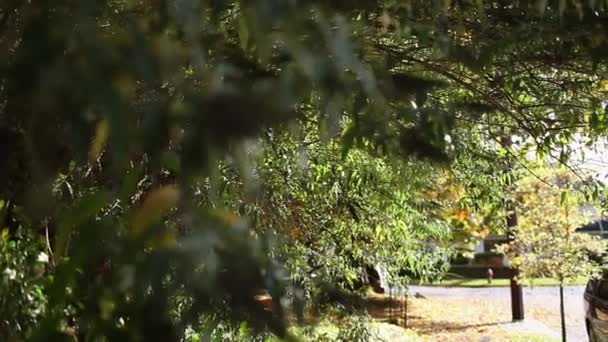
(594, 226)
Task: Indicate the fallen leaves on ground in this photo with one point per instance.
(436, 318)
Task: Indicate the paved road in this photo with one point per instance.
(541, 302)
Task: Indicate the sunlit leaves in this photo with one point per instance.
(546, 242)
(343, 212)
(169, 95)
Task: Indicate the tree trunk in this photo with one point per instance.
(561, 310)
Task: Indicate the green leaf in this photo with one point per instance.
(243, 32)
(561, 7)
(348, 139)
(79, 213)
(594, 121)
(480, 7)
(84, 209)
(129, 184)
(541, 6)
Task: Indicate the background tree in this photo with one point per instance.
(546, 243)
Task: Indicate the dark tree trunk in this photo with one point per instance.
(390, 303)
(517, 297)
(405, 310)
(561, 310)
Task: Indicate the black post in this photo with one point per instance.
(390, 304)
(517, 297)
(404, 306)
(405, 309)
(561, 310)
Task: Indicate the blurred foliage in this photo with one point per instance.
(357, 327)
(22, 301)
(179, 157)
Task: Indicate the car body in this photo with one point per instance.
(596, 309)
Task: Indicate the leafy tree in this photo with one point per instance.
(331, 212)
(22, 283)
(125, 128)
(546, 243)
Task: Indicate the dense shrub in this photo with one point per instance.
(22, 283)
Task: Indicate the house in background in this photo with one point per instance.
(484, 251)
(597, 225)
(485, 255)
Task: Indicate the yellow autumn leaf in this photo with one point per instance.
(156, 204)
(166, 239)
(125, 85)
(99, 140)
(463, 214)
(226, 217)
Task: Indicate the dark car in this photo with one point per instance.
(596, 309)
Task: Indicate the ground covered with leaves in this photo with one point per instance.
(468, 317)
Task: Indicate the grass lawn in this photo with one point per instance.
(482, 282)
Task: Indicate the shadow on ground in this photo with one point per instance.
(427, 327)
